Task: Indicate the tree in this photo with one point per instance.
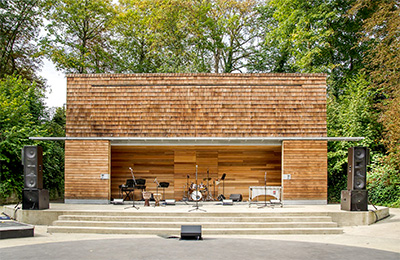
(381, 31)
(229, 30)
(20, 22)
(154, 36)
(134, 41)
(310, 36)
(78, 36)
(351, 114)
(159, 36)
(53, 153)
(21, 113)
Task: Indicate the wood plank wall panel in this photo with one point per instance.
(244, 167)
(147, 163)
(253, 162)
(84, 162)
(307, 163)
(196, 105)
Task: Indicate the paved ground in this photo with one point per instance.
(378, 241)
(209, 248)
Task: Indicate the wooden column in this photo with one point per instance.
(85, 161)
(306, 164)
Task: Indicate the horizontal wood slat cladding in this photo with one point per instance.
(244, 167)
(196, 105)
(84, 162)
(307, 163)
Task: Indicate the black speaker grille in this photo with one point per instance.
(357, 172)
(359, 200)
(33, 160)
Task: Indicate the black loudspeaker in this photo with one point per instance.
(191, 232)
(354, 200)
(357, 168)
(32, 160)
(236, 197)
(35, 199)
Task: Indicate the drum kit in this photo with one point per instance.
(202, 191)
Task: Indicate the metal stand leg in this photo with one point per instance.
(265, 193)
(197, 201)
(133, 201)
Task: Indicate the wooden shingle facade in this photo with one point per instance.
(111, 109)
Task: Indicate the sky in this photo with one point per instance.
(56, 95)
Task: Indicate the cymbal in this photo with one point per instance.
(207, 179)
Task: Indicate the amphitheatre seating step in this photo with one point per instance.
(213, 223)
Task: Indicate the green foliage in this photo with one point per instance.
(352, 114)
(381, 31)
(297, 36)
(21, 112)
(185, 36)
(231, 33)
(341, 38)
(53, 153)
(310, 36)
(22, 115)
(78, 38)
(383, 183)
(20, 22)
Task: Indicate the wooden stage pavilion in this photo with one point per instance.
(163, 125)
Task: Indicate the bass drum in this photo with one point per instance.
(196, 195)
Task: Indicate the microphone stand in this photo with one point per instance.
(133, 196)
(265, 192)
(197, 194)
(158, 184)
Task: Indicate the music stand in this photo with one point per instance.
(164, 185)
(133, 193)
(222, 196)
(197, 200)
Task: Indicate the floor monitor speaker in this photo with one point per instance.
(191, 232)
(236, 197)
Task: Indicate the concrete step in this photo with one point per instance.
(194, 218)
(208, 231)
(213, 223)
(194, 214)
(226, 225)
